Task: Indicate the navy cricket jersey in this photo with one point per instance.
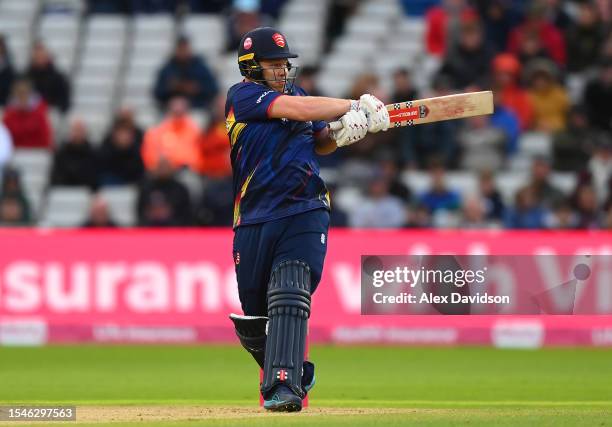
(276, 173)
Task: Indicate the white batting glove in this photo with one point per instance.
(354, 128)
(376, 112)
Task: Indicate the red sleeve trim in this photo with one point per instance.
(271, 104)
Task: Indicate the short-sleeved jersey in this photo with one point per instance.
(275, 169)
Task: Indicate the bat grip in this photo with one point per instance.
(335, 125)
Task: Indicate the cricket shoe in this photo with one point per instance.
(308, 376)
(282, 399)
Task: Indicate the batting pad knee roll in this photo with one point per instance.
(288, 313)
(251, 331)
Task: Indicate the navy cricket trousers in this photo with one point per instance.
(258, 248)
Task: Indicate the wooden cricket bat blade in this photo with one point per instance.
(429, 110)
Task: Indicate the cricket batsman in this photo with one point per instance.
(281, 205)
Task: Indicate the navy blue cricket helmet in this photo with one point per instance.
(261, 43)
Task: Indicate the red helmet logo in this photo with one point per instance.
(247, 43)
(279, 39)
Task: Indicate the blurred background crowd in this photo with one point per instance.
(113, 111)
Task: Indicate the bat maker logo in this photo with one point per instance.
(412, 113)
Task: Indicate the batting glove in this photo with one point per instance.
(354, 128)
(376, 112)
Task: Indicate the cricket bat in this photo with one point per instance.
(450, 107)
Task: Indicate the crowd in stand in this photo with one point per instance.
(530, 53)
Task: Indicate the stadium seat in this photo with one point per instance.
(207, 33)
(66, 207)
(535, 144)
(122, 203)
(508, 183)
(34, 165)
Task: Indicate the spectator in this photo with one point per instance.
(507, 122)
(562, 217)
(597, 97)
(403, 87)
(26, 117)
(215, 146)
(493, 202)
(606, 48)
(216, 205)
(547, 33)
(526, 213)
(506, 74)
(14, 206)
(544, 191)
(162, 200)
(244, 17)
(550, 100)
(75, 163)
(390, 170)
(442, 24)
(6, 146)
(379, 209)
(175, 139)
(439, 197)
(154, 6)
(272, 8)
(556, 14)
(585, 202)
(571, 147)
(481, 144)
(186, 75)
(498, 19)
(47, 80)
(7, 73)
(584, 38)
(338, 14)
(467, 63)
(119, 160)
(531, 48)
(420, 150)
(99, 214)
(307, 81)
(108, 6)
(419, 217)
(125, 117)
(606, 220)
(474, 214)
(600, 166)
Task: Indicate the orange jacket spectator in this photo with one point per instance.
(176, 139)
(517, 100)
(26, 118)
(506, 71)
(215, 152)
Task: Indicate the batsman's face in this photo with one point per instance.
(275, 72)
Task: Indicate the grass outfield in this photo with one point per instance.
(188, 386)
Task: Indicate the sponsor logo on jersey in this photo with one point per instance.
(262, 96)
(248, 42)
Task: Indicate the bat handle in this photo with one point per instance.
(335, 125)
